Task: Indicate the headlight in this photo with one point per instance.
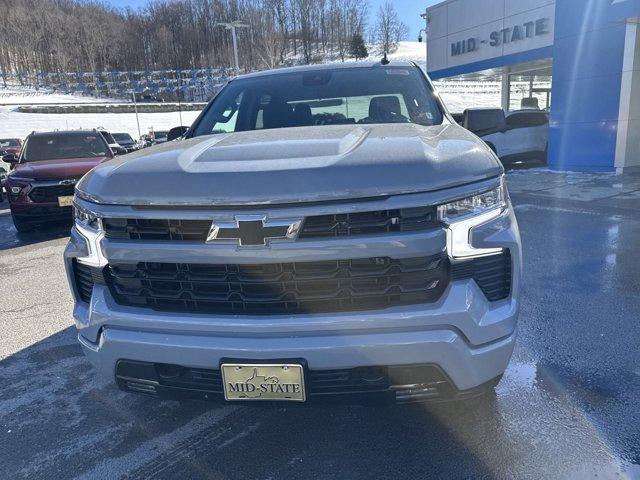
(86, 219)
(461, 216)
(471, 206)
(89, 225)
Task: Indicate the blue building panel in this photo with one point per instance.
(582, 146)
(583, 100)
(590, 54)
(587, 73)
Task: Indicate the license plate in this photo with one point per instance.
(65, 201)
(263, 382)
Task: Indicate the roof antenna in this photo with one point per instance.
(385, 60)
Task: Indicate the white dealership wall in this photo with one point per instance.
(455, 21)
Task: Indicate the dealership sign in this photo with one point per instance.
(506, 35)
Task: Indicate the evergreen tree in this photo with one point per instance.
(357, 48)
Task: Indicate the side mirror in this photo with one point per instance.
(10, 158)
(420, 39)
(176, 132)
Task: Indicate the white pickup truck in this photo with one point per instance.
(519, 136)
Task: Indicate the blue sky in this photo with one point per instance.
(409, 11)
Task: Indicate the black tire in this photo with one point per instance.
(21, 225)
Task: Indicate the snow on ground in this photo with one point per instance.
(406, 52)
(457, 95)
(16, 95)
(16, 124)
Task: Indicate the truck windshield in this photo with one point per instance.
(359, 95)
(9, 142)
(64, 146)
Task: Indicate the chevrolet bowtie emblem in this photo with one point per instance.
(253, 230)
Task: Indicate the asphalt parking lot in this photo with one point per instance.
(566, 408)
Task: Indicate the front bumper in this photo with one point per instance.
(470, 339)
(42, 213)
(463, 334)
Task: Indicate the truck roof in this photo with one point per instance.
(329, 66)
(62, 133)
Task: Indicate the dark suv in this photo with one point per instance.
(41, 184)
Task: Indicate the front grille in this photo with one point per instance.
(84, 280)
(156, 229)
(492, 274)
(50, 193)
(320, 226)
(281, 288)
(368, 223)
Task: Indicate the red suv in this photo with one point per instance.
(10, 146)
(41, 184)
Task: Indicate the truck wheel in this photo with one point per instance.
(21, 225)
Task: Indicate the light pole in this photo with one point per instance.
(424, 15)
(232, 26)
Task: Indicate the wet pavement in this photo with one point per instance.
(567, 406)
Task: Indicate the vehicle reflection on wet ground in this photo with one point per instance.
(566, 408)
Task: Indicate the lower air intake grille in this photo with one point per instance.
(492, 274)
(84, 281)
(400, 383)
(281, 288)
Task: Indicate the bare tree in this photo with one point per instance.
(389, 30)
(88, 35)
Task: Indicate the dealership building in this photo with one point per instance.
(578, 58)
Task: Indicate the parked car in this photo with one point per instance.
(41, 185)
(160, 136)
(115, 147)
(145, 141)
(126, 141)
(520, 136)
(10, 146)
(342, 238)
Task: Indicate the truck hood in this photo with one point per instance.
(56, 169)
(291, 165)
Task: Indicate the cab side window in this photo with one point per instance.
(527, 119)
